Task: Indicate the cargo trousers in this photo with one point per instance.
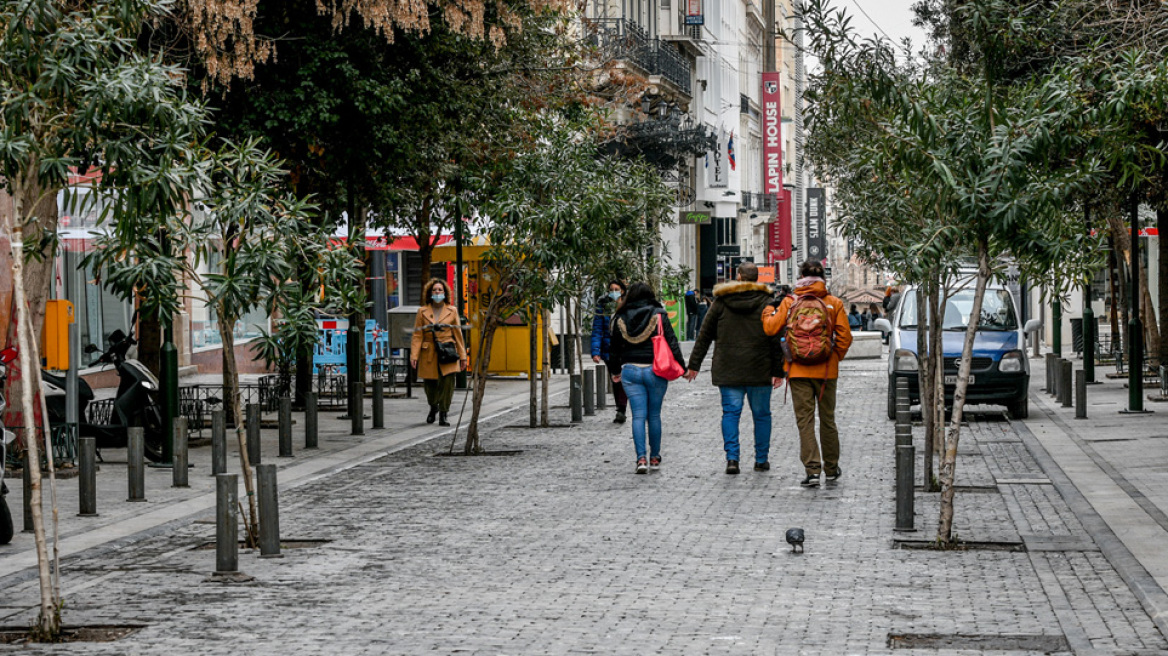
(807, 396)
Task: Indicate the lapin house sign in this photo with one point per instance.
(779, 234)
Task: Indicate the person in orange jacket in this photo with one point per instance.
(813, 386)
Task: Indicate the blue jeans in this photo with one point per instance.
(760, 410)
(646, 391)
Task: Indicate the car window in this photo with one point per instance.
(997, 311)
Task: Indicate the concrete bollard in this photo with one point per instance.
(218, 441)
(357, 408)
(87, 476)
(136, 463)
(1050, 372)
(180, 456)
(601, 377)
(285, 426)
(905, 478)
(254, 452)
(378, 403)
(1080, 394)
(1066, 383)
(575, 398)
(269, 512)
(589, 379)
(226, 523)
(310, 425)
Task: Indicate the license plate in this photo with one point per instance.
(952, 380)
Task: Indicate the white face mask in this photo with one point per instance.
(614, 295)
(438, 298)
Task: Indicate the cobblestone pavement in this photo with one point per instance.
(561, 549)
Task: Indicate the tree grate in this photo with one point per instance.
(96, 633)
(980, 642)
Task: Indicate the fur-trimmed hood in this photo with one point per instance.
(742, 297)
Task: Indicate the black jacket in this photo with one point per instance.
(745, 355)
(633, 327)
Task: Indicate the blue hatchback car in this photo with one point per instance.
(1000, 371)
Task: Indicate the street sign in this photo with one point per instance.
(729, 250)
(693, 218)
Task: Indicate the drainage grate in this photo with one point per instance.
(1005, 642)
(933, 545)
(459, 454)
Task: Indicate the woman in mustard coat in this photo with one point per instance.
(436, 323)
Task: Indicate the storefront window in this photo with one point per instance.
(205, 323)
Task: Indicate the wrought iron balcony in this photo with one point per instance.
(628, 41)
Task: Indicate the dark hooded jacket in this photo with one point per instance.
(745, 355)
(632, 335)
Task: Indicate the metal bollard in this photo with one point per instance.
(218, 441)
(254, 452)
(378, 403)
(589, 394)
(87, 476)
(310, 425)
(27, 494)
(357, 408)
(136, 463)
(1080, 394)
(1050, 372)
(575, 399)
(903, 414)
(285, 426)
(226, 523)
(1066, 382)
(269, 512)
(601, 376)
(905, 478)
(180, 456)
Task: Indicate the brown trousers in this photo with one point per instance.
(804, 393)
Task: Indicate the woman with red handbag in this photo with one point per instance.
(644, 357)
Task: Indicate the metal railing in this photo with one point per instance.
(626, 40)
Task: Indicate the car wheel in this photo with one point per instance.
(1019, 408)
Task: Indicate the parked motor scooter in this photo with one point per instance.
(136, 403)
(7, 438)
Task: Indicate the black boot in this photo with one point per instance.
(433, 413)
(442, 419)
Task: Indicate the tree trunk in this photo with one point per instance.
(48, 624)
(490, 323)
(1122, 243)
(925, 378)
(1162, 225)
(545, 377)
(949, 462)
(232, 401)
(937, 369)
(533, 392)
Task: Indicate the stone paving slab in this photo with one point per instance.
(561, 549)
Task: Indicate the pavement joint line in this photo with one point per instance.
(20, 567)
(1132, 491)
(1138, 579)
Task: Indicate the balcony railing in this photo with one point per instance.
(626, 40)
(759, 202)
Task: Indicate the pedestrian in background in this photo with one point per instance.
(865, 320)
(747, 363)
(436, 349)
(855, 322)
(817, 337)
(640, 317)
(602, 340)
(691, 314)
(704, 304)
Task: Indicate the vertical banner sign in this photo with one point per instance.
(779, 231)
(816, 224)
(716, 163)
(693, 13)
(772, 135)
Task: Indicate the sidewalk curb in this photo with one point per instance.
(204, 505)
(1152, 597)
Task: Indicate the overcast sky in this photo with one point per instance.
(890, 17)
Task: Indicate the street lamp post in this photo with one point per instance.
(1088, 319)
(1135, 330)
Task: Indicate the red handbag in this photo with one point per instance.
(664, 364)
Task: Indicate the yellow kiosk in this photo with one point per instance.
(512, 345)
